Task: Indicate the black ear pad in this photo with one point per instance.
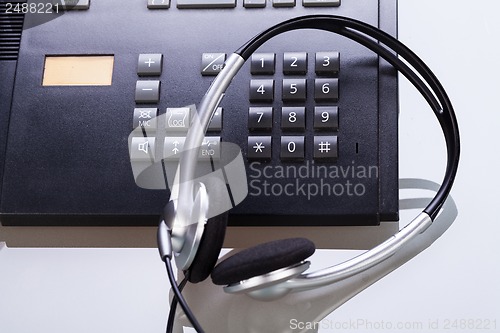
(209, 248)
(262, 259)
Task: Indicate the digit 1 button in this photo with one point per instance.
(293, 118)
(294, 90)
(326, 90)
(259, 147)
(327, 63)
(260, 118)
(261, 90)
(292, 148)
(262, 63)
(295, 63)
(326, 117)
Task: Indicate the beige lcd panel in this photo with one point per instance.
(78, 71)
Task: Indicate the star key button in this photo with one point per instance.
(259, 147)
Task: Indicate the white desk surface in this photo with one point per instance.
(451, 287)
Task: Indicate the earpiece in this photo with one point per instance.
(273, 269)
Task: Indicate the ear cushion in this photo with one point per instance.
(209, 248)
(262, 259)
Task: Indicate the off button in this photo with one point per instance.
(212, 63)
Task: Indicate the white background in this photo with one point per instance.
(457, 278)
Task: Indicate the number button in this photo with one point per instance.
(294, 90)
(326, 90)
(326, 117)
(295, 63)
(293, 118)
(292, 148)
(259, 147)
(327, 63)
(261, 90)
(260, 118)
(262, 63)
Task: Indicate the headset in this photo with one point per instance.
(271, 270)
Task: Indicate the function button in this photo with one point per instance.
(158, 4)
(212, 63)
(259, 147)
(210, 148)
(206, 3)
(173, 146)
(145, 118)
(321, 3)
(294, 90)
(71, 5)
(326, 117)
(150, 64)
(262, 63)
(142, 149)
(261, 90)
(293, 118)
(295, 63)
(147, 91)
(260, 118)
(177, 119)
(327, 63)
(283, 3)
(216, 122)
(254, 3)
(326, 90)
(325, 147)
(292, 148)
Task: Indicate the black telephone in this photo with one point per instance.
(314, 114)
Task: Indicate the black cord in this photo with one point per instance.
(181, 299)
(173, 307)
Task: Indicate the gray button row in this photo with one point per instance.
(143, 148)
(176, 119)
(295, 63)
(293, 118)
(294, 90)
(292, 148)
(202, 4)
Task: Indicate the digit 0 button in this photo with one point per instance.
(292, 148)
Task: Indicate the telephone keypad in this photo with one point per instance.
(298, 132)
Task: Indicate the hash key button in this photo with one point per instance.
(325, 147)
